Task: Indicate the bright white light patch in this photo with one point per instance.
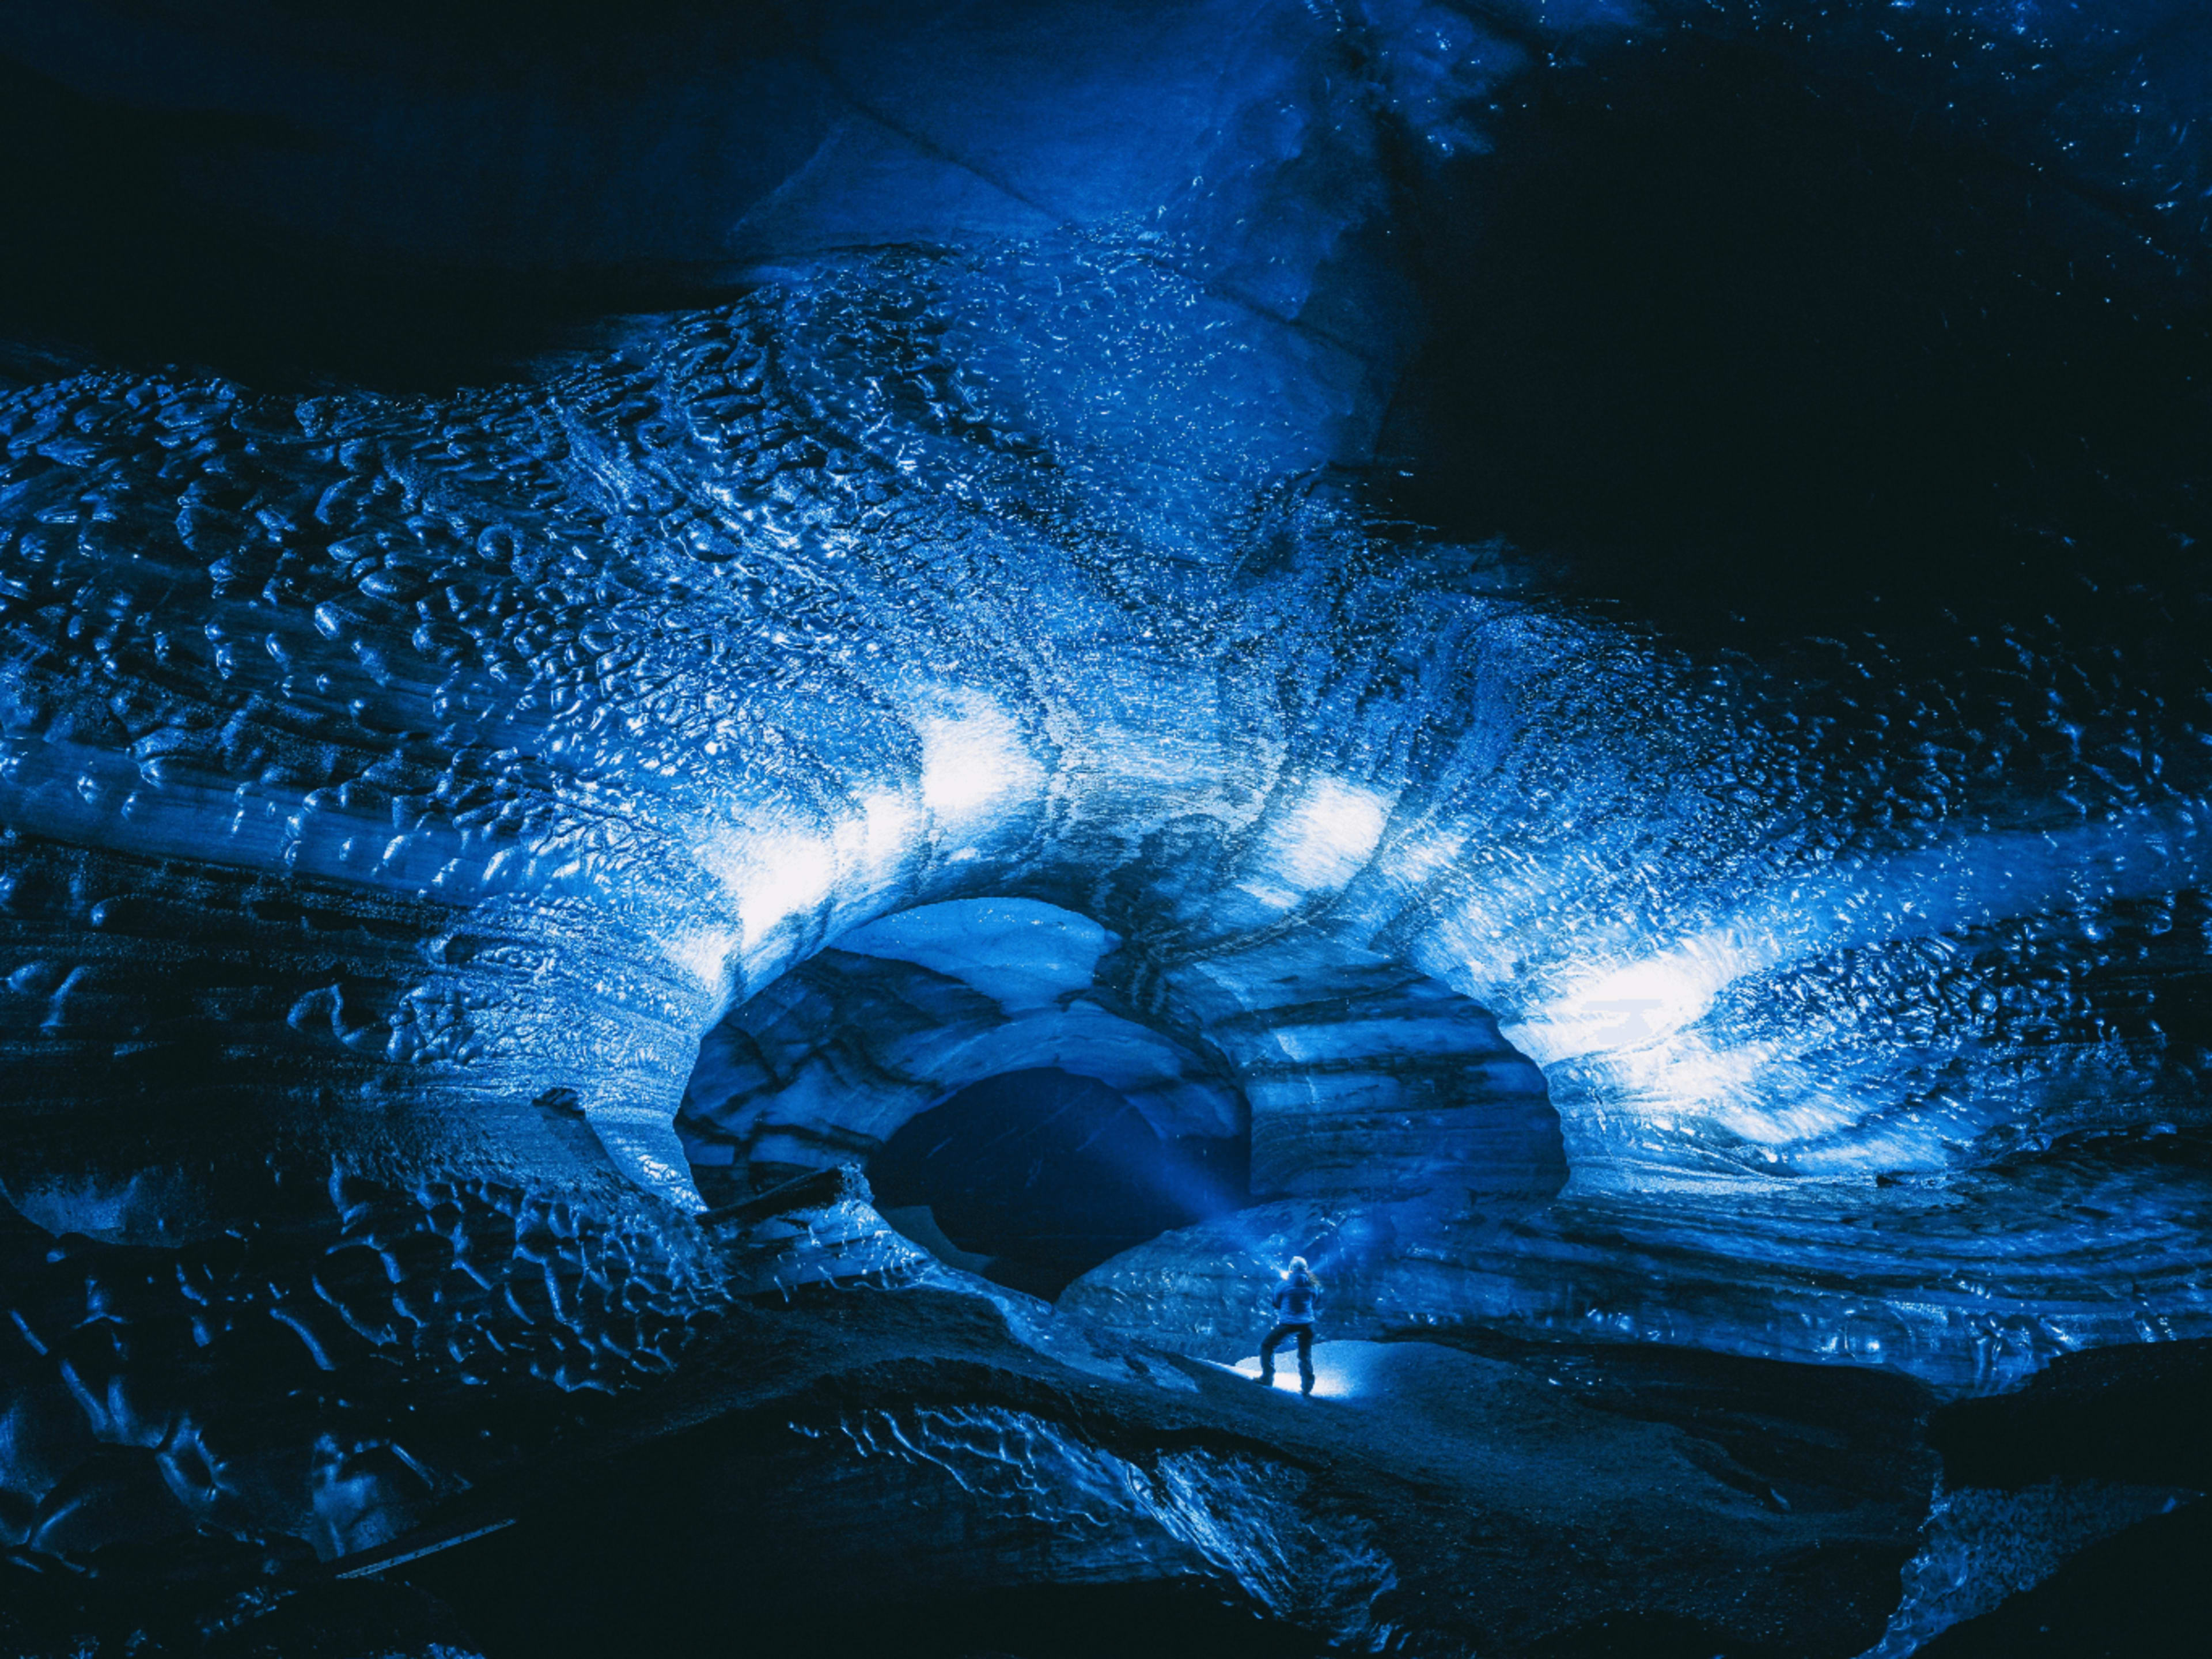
(703, 954)
(1320, 843)
(973, 763)
(1329, 1383)
(1427, 1383)
(1625, 1007)
(790, 875)
(770, 876)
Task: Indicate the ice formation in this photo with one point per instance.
(471, 832)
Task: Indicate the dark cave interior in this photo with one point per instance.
(1723, 332)
(1049, 1174)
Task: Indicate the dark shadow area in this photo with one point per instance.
(1801, 1438)
(1647, 1636)
(1174, 1620)
(111, 260)
(1049, 1174)
(2143, 1592)
(1721, 339)
(2134, 1413)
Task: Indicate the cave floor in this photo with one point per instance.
(1522, 1497)
(927, 1466)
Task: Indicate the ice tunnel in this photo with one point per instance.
(746, 750)
(1267, 1089)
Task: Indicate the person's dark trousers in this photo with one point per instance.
(1273, 1340)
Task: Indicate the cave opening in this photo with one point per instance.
(1016, 1113)
(1715, 335)
(1035, 1177)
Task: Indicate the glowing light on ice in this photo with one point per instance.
(1320, 843)
(973, 763)
(1625, 1006)
(1330, 1381)
(770, 876)
(1343, 1369)
(705, 955)
(791, 875)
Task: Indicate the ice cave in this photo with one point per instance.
(747, 747)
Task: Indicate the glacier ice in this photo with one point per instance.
(488, 854)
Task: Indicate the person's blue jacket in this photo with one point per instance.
(1295, 1298)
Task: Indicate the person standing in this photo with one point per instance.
(1296, 1298)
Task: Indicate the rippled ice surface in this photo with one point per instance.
(916, 575)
